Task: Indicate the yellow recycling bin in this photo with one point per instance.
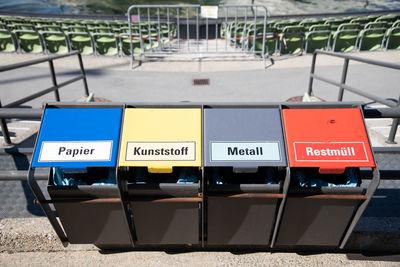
(160, 167)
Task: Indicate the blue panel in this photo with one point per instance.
(75, 125)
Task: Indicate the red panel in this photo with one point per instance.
(331, 139)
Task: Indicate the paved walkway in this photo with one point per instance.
(235, 80)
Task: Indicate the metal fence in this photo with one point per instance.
(55, 88)
(189, 29)
(343, 86)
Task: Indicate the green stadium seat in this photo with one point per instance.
(8, 43)
(271, 40)
(292, 40)
(390, 19)
(126, 49)
(371, 39)
(345, 40)
(29, 39)
(81, 40)
(393, 38)
(55, 40)
(317, 38)
(106, 44)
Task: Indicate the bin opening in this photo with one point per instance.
(312, 177)
(264, 175)
(245, 170)
(87, 176)
(179, 175)
(332, 170)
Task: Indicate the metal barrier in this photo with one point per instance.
(178, 29)
(54, 88)
(343, 86)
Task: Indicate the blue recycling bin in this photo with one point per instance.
(80, 146)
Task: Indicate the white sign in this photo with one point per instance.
(160, 151)
(210, 12)
(76, 151)
(245, 151)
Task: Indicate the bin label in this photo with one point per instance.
(75, 151)
(330, 151)
(160, 151)
(245, 151)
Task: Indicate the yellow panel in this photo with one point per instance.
(160, 138)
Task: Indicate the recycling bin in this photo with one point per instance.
(326, 146)
(244, 170)
(80, 146)
(160, 169)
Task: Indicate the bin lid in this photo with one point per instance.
(161, 138)
(243, 137)
(331, 139)
(76, 138)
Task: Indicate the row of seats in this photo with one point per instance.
(295, 37)
(110, 38)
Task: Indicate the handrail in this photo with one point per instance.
(343, 86)
(55, 88)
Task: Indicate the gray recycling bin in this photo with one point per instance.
(160, 169)
(244, 170)
(326, 145)
(80, 146)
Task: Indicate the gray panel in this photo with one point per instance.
(94, 223)
(240, 221)
(243, 125)
(317, 222)
(166, 223)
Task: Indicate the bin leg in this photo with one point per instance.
(46, 208)
(281, 206)
(370, 191)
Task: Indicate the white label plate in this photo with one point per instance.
(210, 12)
(75, 151)
(160, 151)
(245, 151)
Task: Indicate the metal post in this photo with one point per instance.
(310, 84)
(207, 34)
(264, 35)
(187, 28)
(235, 26)
(393, 129)
(83, 74)
(149, 29)
(216, 35)
(179, 32)
(226, 29)
(244, 32)
(4, 130)
(343, 80)
(140, 33)
(169, 34)
(255, 32)
(197, 30)
(130, 37)
(54, 80)
(159, 29)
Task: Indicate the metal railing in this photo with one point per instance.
(343, 86)
(179, 29)
(55, 88)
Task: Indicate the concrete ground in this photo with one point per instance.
(31, 241)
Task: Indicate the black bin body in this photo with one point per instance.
(238, 211)
(82, 144)
(101, 224)
(326, 147)
(165, 223)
